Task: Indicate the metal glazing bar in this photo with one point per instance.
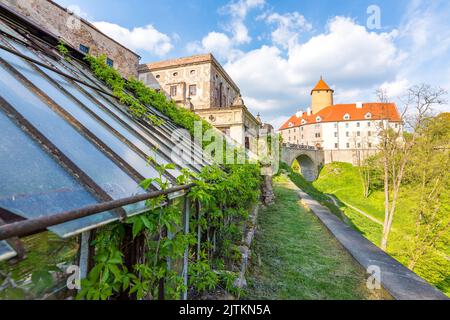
(57, 154)
(21, 228)
(3, 47)
(96, 117)
(186, 220)
(75, 123)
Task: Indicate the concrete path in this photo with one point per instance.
(399, 281)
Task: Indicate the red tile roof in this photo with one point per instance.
(377, 111)
(321, 86)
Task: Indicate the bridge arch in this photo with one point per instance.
(310, 159)
(308, 167)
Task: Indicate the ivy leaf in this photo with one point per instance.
(146, 184)
(137, 227)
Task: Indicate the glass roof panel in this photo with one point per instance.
(34, 184)
(84, 154)
(6, 252)
(119, 147)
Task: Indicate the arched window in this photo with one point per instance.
(368, 115)
(318, 119)
(346, 116)
(303, 121)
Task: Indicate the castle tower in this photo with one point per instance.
(321, 96)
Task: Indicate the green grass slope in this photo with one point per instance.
(295, 257)
(343, 181)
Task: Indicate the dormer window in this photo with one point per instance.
(318, 119)
(368, 116)
(346, 116)
(303, 121)
(291, 124)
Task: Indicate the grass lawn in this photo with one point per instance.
(342, 180)
(295, 257)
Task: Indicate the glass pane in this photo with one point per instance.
(6, 252)
(119, 147)
(84, 154)
(34, 184)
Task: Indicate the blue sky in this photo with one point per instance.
(277, 50)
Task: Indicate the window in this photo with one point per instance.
(318, 119)
(369, 124)
(346, 116)
(335, 134)
(109, 62)
(335, 125)
(336, 146)
(295, 130)
(302, 137)
(368, 116)
(369, 133)
(247, 143)
(158, 76)
(173, 91)
(370, 145)
(358, 124)
(359, 145)
(317, 135)
(347, 134)
(84, 49)
(358, 133)
(346, 125)
(348, 145)
(192, 90)
(302, 128)
(396, 125)
(192, 72)
(175, 74)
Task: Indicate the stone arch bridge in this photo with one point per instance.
(310, 159)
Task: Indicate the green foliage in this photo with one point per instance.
(342, 180)
(224, 195)
(294, 257)
(61, 47)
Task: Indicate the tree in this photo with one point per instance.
(430, 176)
(396, 145)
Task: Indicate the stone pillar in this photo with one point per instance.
(267, 194)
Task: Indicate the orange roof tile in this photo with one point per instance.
(321, 85)
(336, 113)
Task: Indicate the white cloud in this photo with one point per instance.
(288, 27)
(347, 55)
(223, 45)
(238, 10)
(142, 38)
(218, 43)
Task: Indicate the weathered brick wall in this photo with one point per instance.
(75, 31)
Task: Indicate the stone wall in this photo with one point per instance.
(75, 31)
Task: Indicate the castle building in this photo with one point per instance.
(201, 84)
(342, 131)
(76, 32)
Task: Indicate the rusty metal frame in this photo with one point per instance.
(19, 229)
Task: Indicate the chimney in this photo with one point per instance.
(299, 114)
(359, 105)
(309, 111)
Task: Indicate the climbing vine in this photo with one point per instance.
(222, 197)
